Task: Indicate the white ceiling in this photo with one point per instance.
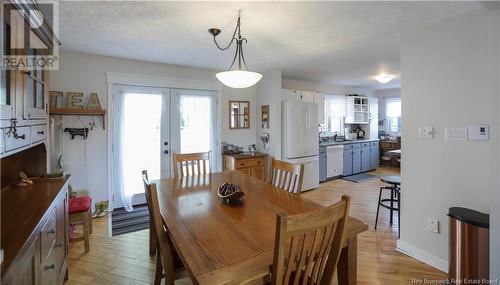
(344, 43)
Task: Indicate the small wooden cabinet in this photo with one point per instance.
(253, 165)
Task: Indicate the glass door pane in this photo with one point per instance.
(194, 127)
(141, 125)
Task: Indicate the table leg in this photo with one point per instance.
(347, 268)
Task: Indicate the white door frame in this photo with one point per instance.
(113, 78)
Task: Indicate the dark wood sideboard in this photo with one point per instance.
(35, 232)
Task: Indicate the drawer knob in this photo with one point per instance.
(51, 267)
(52, 231)
(40, 132)
(60, 244)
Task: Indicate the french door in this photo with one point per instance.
(151, 123)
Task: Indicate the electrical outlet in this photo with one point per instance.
(433, 225)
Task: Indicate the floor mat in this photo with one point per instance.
(359, 177)
(123, 222)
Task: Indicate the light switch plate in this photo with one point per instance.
(425, 132)
(456, 134)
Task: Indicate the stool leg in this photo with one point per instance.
(159, 269)
(378, 206)
(392, 205)
(86, 232)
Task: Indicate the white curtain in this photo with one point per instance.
(137, 141)
(197, 132)
(393, 115)
(334, 113)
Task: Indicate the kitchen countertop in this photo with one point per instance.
(323, 144)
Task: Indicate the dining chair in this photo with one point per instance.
(152, 234)
(189, 164)
(286, 176)
(308, 245)
(168, 263)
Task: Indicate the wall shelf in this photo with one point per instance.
(79, 112)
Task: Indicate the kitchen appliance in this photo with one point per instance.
(361, 134)
(334, 161)
(300, 139)
(322, 164)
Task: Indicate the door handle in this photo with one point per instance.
(165, 151)
(165, 143)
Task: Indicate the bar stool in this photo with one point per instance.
(80, 214)
(395, 188)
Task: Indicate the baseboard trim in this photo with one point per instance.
(422, 255)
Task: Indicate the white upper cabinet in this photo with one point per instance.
(298, 95)
(7, 77)
(357, 110)
(319, 99)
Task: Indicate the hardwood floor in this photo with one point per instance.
(125, 259)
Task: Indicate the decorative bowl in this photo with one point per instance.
(229, 192)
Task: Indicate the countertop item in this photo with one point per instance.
(22, 210)
(347, 142)
(221, 244)
(244, 155)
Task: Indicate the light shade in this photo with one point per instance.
(384, 78)
(238, 78)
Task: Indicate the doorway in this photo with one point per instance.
(151, 123)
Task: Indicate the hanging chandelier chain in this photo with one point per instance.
(233, 38)
(242, 65)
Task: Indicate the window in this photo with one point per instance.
(334, 113)
(393, 115)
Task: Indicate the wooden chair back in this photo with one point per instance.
(190, 164)
(286, 176)
(308, 246)
(163, 242)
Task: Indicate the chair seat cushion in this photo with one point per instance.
(79, 204)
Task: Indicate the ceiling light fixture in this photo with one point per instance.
(384, 78)
(239, 77)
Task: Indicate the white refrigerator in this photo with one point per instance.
(300, 139)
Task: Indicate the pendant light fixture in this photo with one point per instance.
(236, 76)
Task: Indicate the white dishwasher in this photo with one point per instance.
(334, 161)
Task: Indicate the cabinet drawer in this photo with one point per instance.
(374, 143)
(23, 138)
(49, 269)
(385, 145)
(348, 146)
(38, 133)
(365, 144)
(48, 235)
(243, 163)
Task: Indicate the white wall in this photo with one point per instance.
(495, 191)
(87, 159)
(269, 93)
(446, 83)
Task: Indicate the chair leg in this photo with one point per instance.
(89, 214)
(378, 206)
(159, 269)
(86, 232)
(152, 238)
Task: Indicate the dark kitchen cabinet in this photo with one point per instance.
(356, 160)
(365, 158)
(347, 162)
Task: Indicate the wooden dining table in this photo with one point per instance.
(233, 243)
